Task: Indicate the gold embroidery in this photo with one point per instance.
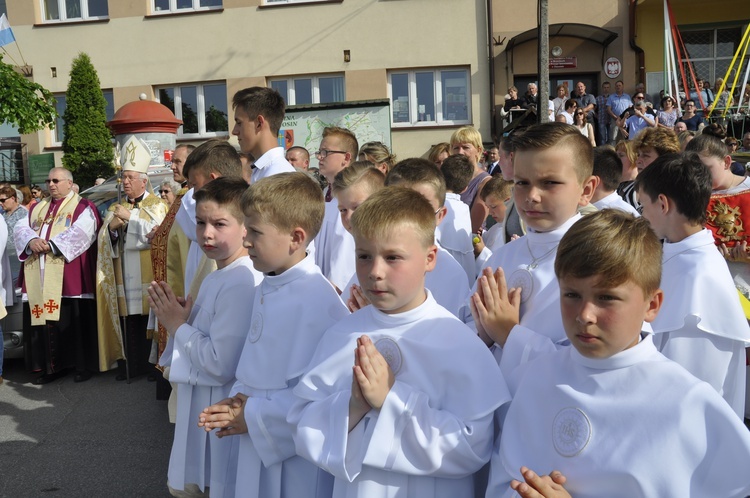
(728, 220)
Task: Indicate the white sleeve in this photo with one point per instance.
(185, 216)
(78, 238)
(267, 425)
(209, 357)
(135, 238)
(3, 236)
(522, 346)
(22, 235)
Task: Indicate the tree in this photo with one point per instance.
(27, 105)
(87, 142)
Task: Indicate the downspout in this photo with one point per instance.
(638, 50)
(491, 47)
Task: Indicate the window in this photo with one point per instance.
(711, 52)
(169, 6)
(74, 10)
(430, 97)
(61, 105)
(201, 107)
(310, 89)
(282, 2)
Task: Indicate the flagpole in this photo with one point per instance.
(10, 56)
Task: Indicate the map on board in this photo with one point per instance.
(370, 122)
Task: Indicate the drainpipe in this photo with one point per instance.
(638, 50)
(491, 46)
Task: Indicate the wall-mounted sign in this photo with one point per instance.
(612, 67)
(563, 62)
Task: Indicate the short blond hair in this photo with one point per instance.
(359, 173)
(438, 149)
(392, 208)
(287, 201)
(662, 140)
(612, 245)
(348, 139)
(418, 171)
(548, 135)
(467, 135)
(498, 187)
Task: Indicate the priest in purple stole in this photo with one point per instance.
(57, 247)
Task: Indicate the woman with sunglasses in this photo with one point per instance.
(168, 190)
(579, 121)
(13, 211)
(667, 116)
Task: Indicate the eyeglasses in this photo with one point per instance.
(130, 178)
(638, 97)
(54, 180)
(323, 153)
(579, 114)
(165, 191)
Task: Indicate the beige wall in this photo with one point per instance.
(247, 44)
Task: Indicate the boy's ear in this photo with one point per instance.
(589, 186)
(214, 176)
(654, 305)
(431, 258)
(299, 239)
(665, 203)
(727, 161)
(440, 215)
(260, 120)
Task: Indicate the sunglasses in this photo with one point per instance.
(4, 199)
(165, 191)
(54, 180)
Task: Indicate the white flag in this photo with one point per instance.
(6, 34)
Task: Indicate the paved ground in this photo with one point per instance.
(100, 438)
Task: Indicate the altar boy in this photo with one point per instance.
(207, 337)
(552, 171)
(611, 416)
(701, 326)
(291, 309)
(411, 414)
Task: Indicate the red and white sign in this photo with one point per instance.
(612, 67)
(563, 62)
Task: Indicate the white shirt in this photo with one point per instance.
(632, 425)
(427, 438)
(454, 234)
(614, 201)
(334, 247)
(271, 163)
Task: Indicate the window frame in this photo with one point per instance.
(290, 2)
(56, 132)
(63, 12)
(290, 97)
(200, 111)
(438, 96)
(714, 48)
(174, 10)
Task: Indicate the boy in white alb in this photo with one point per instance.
(334, 246)
(454, 232)
(207, 337)
(495, 193)
(552, 172)
(611, 416)
(292, 308)
(701, 325)
(414, 415)
(608, 170)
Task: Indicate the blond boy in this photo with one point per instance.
(496, 194)
(382, 422)
(292, 308)
(611, 416)
(207, 337)
(552, 166)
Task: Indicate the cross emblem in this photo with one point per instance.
(51, 306)
(37, 311)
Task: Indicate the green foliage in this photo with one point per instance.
(27, 105)
(87, 143)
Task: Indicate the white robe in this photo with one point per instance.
(701, 324)
(185, 217)
(632, 425)
(334, 248)
(435, 429)
(614, 201)
(291, 312)
(454, 234)
(204, 359)
(444, 282)
(493, 239)
(272, 162)
(540, 329)
(71, 243)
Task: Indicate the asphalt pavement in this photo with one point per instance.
(99, 438)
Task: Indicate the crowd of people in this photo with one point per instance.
(550, 318)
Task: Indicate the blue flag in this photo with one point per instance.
(6, 34)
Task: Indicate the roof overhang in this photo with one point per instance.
(574, 30)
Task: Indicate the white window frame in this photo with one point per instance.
(173, 7)
(201, 111)
(290, 98)
(714, 44)
(64, 13)
(287, 2)
(413, 106)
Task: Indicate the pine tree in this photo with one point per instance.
(87, 143)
